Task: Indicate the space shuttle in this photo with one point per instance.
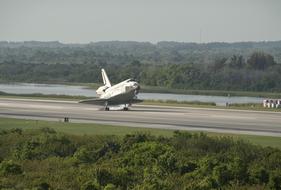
(123, 93)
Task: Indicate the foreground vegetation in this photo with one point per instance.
(46, 159)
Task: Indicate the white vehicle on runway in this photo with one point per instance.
(123, 93)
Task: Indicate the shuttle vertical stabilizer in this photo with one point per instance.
(105, 79)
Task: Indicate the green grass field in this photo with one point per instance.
(98, 129)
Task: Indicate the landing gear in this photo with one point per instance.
(126, 108)
(106, 108)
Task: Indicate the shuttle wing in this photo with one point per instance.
(111, 101)
(95, 101)
(135, 101)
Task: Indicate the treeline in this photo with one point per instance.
(259, 72)
(44, 159)
(124, 52)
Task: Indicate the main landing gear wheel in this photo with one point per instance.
(125, 108)
(106, 108)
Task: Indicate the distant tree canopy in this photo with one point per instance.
(124, 52)
(134, 161)
(260, 60)
(237, 62)
(257, 73)
(214, 66)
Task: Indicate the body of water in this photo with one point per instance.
(28, 88)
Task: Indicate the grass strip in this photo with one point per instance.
(99, 129)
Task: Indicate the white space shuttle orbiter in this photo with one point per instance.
(123, 93)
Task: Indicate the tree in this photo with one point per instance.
(110, 186)
(10, 168)
(83, 155)
(258, 174)
(260, 61)
(104, 176)
(221, 174)
(275, 180)
(219, 64)
(43, 186)
(236, 62)
(91, 185)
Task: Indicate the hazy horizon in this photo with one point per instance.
(141, 21)
(69, 43)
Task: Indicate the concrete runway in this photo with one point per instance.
(199, 119)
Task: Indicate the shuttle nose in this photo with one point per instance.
(135, 84)
(137, 87)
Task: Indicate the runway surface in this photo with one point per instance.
(199, 119)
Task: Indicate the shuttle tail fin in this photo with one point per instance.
(105, 79)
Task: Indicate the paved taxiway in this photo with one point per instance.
(215, 120)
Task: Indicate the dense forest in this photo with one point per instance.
(44, 159)
(124, 52)
(249, 66)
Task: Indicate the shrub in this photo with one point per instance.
(10, 168)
